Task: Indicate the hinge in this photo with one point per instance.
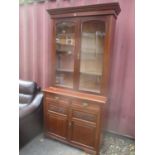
(70, 124)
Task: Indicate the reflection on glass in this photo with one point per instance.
(91, 61)
(65, 44)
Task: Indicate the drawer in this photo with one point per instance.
(57, 109)
(57, 99)
(56, 103)
(84, 116)
(86, 105)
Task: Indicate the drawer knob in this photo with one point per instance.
(85, 104)
(56, 98)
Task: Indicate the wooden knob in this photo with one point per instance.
(85, 104)
(56, 97)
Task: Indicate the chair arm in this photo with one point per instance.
(30, 108)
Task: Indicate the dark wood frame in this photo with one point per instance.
(89, 10)
(69, 97)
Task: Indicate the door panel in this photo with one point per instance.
(83, 134)
(57, 125)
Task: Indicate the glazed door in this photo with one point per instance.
(66, 31)
(80, 50)
(91, 55)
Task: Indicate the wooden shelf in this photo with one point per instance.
(71, 71)
(63, 85)
(66, 34)
(94, 53)
(91, 73)
(92, 35)
(64, 52)
(65, 70)
(90, 90)
(64, 44)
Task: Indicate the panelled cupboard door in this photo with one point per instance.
(83, 133)
(57, 125)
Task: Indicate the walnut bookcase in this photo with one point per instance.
(82, 45)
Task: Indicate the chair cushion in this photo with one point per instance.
(27, 87)
(25, 98)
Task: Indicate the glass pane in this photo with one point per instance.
(65, 44)
(92, 41)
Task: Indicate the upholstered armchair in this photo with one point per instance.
(30, 111)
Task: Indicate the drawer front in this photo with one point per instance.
(58, 109)
(57, 98)
(57, 103)
(84, 116)
(86, 105)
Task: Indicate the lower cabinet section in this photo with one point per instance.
(74, 121)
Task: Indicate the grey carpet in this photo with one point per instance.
(113, 145)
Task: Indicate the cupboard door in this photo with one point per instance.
(65, 50)
(91, 56)
(57, 125)
(83, 133)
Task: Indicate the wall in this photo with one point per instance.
(35, 56)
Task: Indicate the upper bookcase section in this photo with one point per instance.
(88, 10)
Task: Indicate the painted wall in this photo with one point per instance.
(35, 56)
